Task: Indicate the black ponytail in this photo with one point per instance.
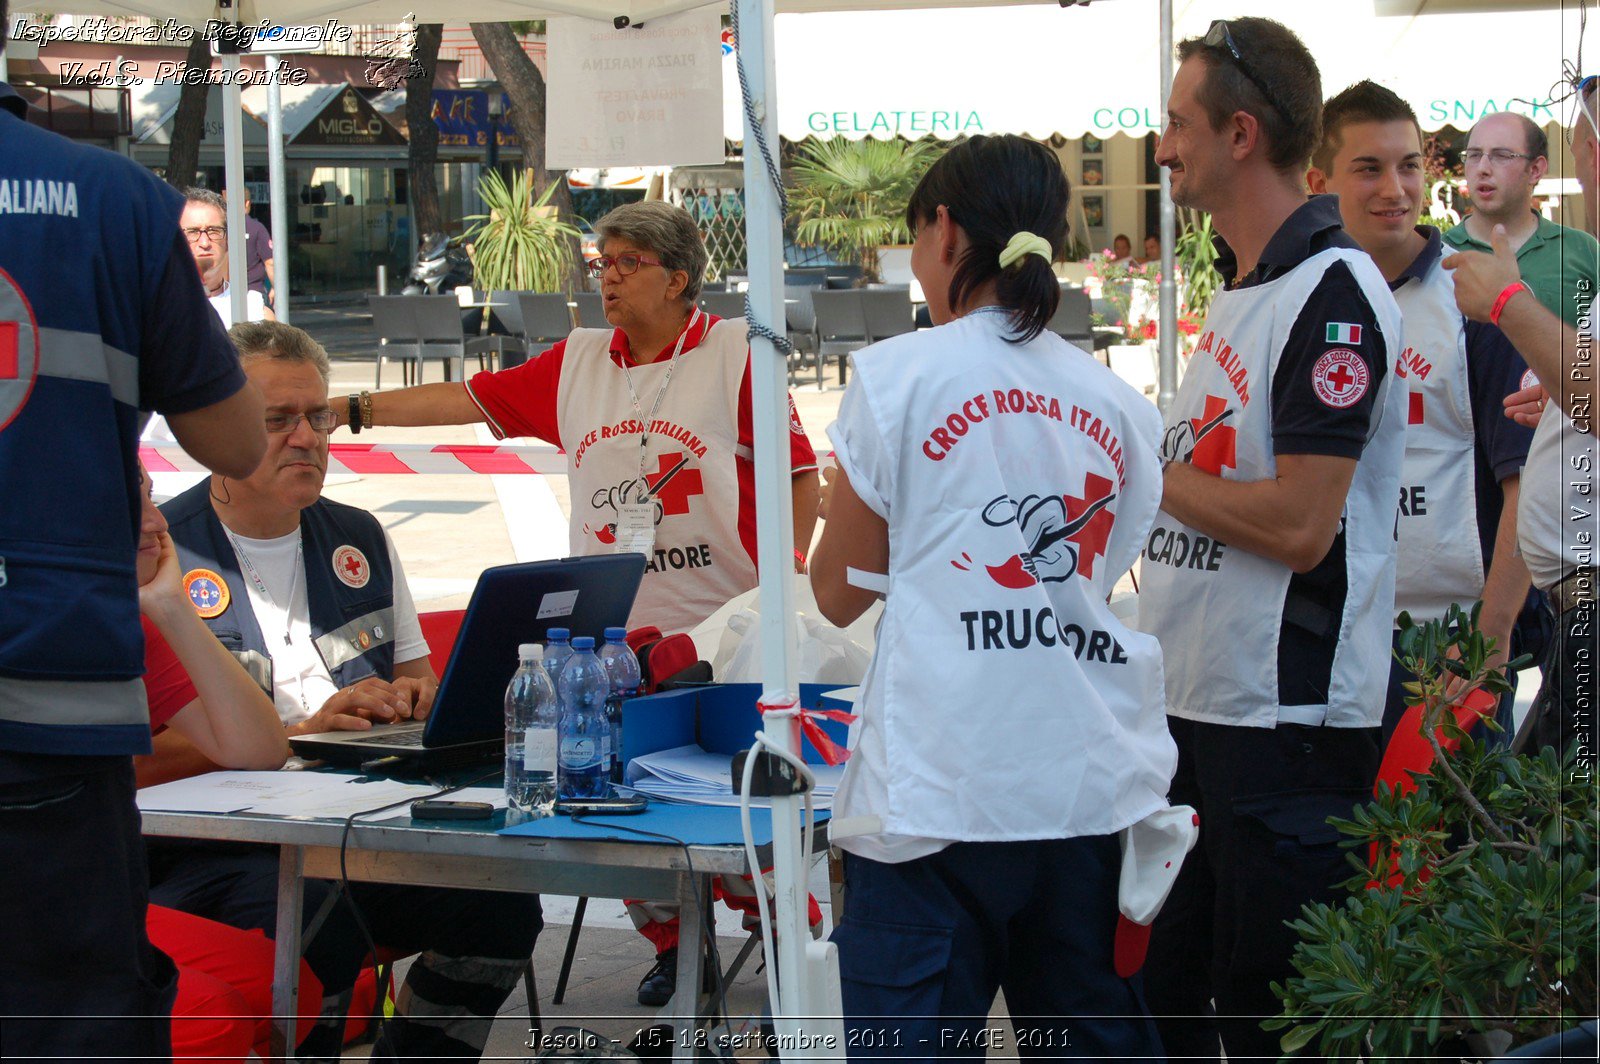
(995, 188)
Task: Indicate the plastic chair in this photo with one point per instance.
(887, 312)
(396, 326)
(723, 304)
(439, 332)
(546, 317)
(841, 328)
(800, 315)
(590, 312)
(1071, 320)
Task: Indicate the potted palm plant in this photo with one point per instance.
(521, 245)
(850, 196)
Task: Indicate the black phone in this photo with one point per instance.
(600, 806)
(438, 809)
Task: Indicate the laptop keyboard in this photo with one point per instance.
(405, 738)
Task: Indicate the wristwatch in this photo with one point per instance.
(353, 419)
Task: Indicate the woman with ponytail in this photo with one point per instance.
(994, 484)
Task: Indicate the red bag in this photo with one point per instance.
(666, 658)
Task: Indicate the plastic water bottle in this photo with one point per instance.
(531, 737)
(584, 728)
(622, 670)
(557, 650)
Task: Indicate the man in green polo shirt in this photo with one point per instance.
(1505, 157)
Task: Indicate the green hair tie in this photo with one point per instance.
(1022, 244)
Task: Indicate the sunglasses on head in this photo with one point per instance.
(1220, 38)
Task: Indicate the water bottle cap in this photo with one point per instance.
(616, 635)
(583, 642)
(558, 635)
(530, 652)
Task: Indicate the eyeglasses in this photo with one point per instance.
(1219, 36)
(627, 265)
(1497, 156)
(214, 233)
(321, 421)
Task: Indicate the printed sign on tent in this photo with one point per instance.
(647, 95)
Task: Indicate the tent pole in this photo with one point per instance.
(1168, 294)
(794, 1011)
(233, 175)
(276, 196)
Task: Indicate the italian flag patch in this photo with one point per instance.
(1342, 332)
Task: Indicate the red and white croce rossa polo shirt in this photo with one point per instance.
(698, 466)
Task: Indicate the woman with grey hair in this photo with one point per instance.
(654, 414)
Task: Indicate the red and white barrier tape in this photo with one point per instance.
(404, 458)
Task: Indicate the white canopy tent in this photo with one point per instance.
(868, 74)
(807, 973)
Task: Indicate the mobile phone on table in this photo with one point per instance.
(616, 806)
(440, 809)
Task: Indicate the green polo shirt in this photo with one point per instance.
(1561, 265)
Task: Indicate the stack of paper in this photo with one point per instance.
(690, 774)
(297, 794)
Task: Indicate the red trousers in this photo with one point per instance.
(224, 1006)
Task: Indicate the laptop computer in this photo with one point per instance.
(511, 604)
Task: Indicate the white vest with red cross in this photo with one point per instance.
(1005, 701)
(698, 561)
(1218, 609)
(1439, 558)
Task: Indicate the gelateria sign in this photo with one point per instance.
(1461, 112)
(895, 123)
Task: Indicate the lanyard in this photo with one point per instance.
(261, 585)
(666, 382)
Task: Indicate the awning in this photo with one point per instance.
(1093, 70)
(153, 104)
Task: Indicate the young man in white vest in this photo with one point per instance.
(1459, 484)
(1558, 525)
(1269, 573)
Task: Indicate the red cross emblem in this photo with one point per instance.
(1215, 442)
(1340, 378)
(351, 567)
(673, 483)
(10, 359)
(1092, 536)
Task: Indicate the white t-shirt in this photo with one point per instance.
(1558, 514)
(300, 680)
(255, 306)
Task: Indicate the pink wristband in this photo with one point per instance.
(1504, 298)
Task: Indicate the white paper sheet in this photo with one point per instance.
(690, 774)
(286, 794)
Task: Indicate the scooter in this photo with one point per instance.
(438, 267)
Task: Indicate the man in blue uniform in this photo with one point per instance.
(101, 315)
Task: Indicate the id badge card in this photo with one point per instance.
(636, 528)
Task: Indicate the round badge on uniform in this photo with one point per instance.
(1340, 378)
(207, 592)
(1529, 378)
(350, 566)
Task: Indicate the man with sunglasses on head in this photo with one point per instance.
(1506, 156)
(1269, 573)
(309, 595)
(1557, 521)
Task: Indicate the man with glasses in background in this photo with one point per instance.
(205, 225)
(1269, 573)
(1506, 156)
(1557, 520)
(310, 596)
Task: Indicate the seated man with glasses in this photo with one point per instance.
(204, 223)
(1506, 156)
(293, 584)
